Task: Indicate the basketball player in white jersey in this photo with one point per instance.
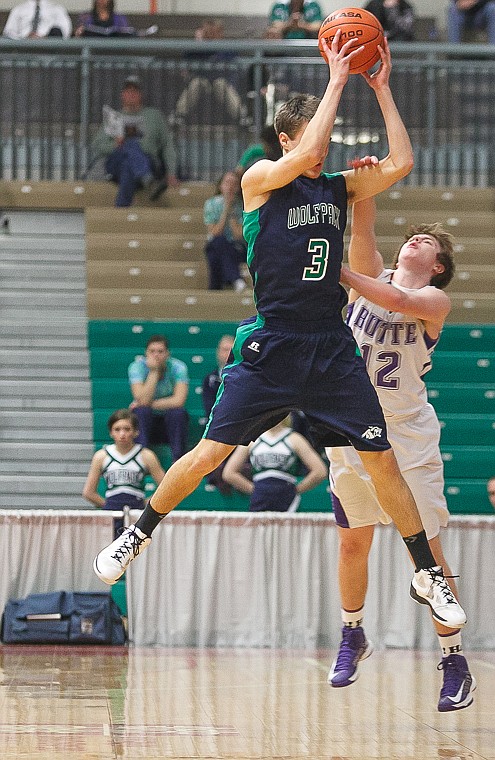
(396, 316)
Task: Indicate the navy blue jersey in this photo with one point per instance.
(295, 249)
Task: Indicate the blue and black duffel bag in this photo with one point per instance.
(63, 617)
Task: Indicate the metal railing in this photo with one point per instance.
(52, 93)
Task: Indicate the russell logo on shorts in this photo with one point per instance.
(373, 431)
(254, 346)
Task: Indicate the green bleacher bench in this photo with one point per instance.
(114, 362)
(467, 337)
(467, 461)
(115, 393)
(464, 366)
(467, 497)
(131, 333)
(467, 429)
(458, 397)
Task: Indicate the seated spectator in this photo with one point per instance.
(268, 147)
(123, 465)
(133, 148)
(294, 20)
(210, 93)
(103, 21)
(274, 458)
(211, 384)
(35, 19)
(160, 385)
(396, 17)
(490, 489)
(225, 248)
(470, 14)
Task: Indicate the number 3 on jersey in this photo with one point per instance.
(320, 250)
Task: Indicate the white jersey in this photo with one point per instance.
(272, 456)
(397, 352)
(124, 473)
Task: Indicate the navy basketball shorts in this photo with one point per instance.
(311, 367)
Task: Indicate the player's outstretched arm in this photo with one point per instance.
(363, 255)
(400, 160)
(264, 176)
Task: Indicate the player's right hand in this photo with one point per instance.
(339, 60)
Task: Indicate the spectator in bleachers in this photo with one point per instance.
(211, 92)
(225, 248)
(35, 19)
(160, 385)
(470, 14)
(123, 465)
(275, 457)
(134, 147)
(396, 17)
(210, 386)
(490, 489)
(294, 20)
(267, 147)
(103, 21)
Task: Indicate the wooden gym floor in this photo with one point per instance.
(81, 703)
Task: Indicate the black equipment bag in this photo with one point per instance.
(63, 617)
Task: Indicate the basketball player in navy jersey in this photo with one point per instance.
(297, 353)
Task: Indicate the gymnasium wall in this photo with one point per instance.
(239, 7)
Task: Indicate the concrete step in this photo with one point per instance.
(46, 223)
(50, 390)
(72, 358)
(62, 328)
(13, 435)
(17, 311)
(32, 272)
(55, 421)
(46, 404)
(35, 373)
(44, 284)
(42, 484)
(43, 501)
(41, 342)
(61, 468)
(31, 301)
(46, 452)
(29, 248)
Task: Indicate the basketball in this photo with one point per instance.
(357, 24)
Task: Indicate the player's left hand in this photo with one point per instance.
(380, 77)
(361, 163)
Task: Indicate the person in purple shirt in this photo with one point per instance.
(103, 21)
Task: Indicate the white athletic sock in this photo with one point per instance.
(352, 619)
(450, 643)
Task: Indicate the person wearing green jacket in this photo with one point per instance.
(135, 147)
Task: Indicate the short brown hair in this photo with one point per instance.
(294, 113)
(157, 339)
(445, 255)
(123, 414)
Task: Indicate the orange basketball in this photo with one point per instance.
(355, 24)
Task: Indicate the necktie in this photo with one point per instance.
(36, 18)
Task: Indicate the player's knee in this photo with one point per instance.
(353, 545)
(206, 456)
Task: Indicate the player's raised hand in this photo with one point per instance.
(339, 60)
(381, 76)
